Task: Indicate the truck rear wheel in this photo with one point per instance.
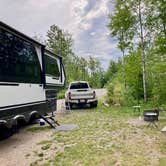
(68, 106)
(93, 105)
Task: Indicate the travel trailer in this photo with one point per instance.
(30, 77)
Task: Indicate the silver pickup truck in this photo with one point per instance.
(79, 93)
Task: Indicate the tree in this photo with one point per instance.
(121, 26)
(158, 55)
(96, 73)
(60, 42)
(139, 31)
(112, 70)
(143, 11)
(145, 55)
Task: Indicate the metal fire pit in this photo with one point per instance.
(151, 116)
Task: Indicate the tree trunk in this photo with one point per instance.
(142, 53)
(123, 60)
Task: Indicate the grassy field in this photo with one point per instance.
(105, 136)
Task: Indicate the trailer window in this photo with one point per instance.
(18, 60)
(51, 67)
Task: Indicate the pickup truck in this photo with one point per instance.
(80, 93)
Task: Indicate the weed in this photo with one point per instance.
(46, 147)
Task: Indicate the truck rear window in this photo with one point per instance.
(79, 86)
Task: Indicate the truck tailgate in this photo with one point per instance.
(82, 94)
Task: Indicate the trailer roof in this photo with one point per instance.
(16, 32)
(13, 30)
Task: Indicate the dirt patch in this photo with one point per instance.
(23, 148)
(136, 122)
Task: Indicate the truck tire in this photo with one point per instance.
(68, 106)
(93, 105)
(71, 105)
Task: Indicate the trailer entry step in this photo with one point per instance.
(50, 120)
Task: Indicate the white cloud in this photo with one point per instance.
(92, 33)
(82, 21)
(35, 17)
(99, 9)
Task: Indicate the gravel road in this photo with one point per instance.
(19, 149)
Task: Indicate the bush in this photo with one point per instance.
(61, 94)
(117, 94)
(128, 99)
(110, 93)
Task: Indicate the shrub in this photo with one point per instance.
(61, 94)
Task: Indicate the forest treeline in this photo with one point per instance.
(140, 75)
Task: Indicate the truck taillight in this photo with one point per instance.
(69, 95)
(94, 94)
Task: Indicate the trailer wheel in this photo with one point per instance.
(33, 119)
(20, 122)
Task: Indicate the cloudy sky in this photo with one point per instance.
(85, 19)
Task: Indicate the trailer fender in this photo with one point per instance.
(19, 119)
(33, 115)
(4, 123)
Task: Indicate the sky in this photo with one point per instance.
(86, 20)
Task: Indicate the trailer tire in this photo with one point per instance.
(5, 132)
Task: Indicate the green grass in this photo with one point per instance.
(162, 162)
(44, 142)
(46, 147)
(108, 136)
(37, 128)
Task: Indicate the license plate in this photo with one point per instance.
(82, 101)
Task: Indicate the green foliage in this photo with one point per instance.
(117, 95)
(110, 92)
(128, 98)
(133, 75)
(59, 42)
(112, 70)
(121, 24)
(96, 73)
(140, 28)
(61, 94)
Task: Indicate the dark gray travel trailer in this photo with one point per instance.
(30, 77)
